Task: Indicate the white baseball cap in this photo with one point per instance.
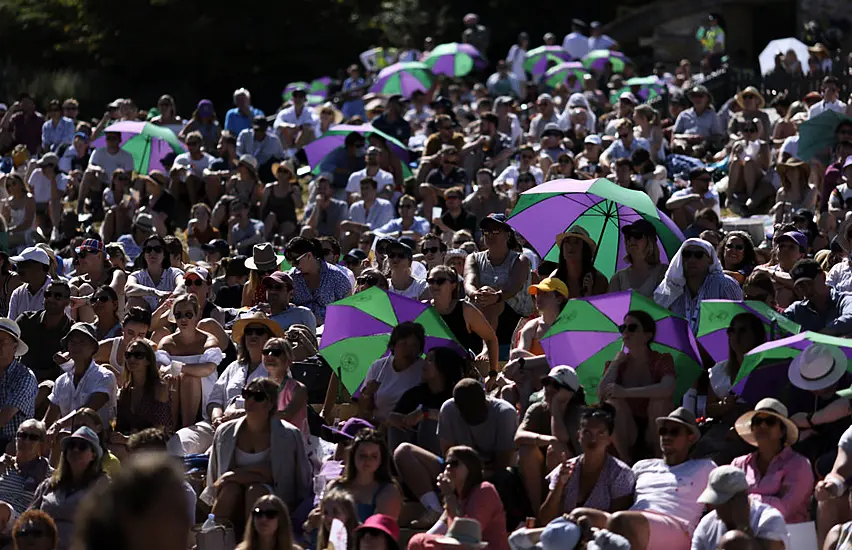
(32, 254)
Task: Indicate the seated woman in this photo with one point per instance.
(79, 472)
(795, 192)
(415, 416)
(776, 474)
(788, 248)
(136, 323)
(269, 526)
(336, 504)
(594, 479)
(736, 252)
(839, 535)
(193, 356)
(639, 384)
(466, 495)
(367, 477)
(745, 333)
(22, 472)
(105, 304)
(156, 279)
(643, 254)
(749, 189)
(256, 455)
(576, 264)
(759, 288)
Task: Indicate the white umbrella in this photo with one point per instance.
(782, 45)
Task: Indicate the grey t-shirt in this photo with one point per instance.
(296, 315)
(250, 230)
(494, 435)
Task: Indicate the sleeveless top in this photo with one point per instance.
(149, 413)
(497, 276)
(458, 326)
(285, 395)
(366, 510)
(283, 207)
(243, 459)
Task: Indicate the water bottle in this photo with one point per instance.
(210, 524)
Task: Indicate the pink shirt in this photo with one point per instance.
(484, 505)
(787, 485)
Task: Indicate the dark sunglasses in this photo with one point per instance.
(690, 254)
(275, 352)
(268, 514)
(768, 420)
(632, 327)
(153, 250)
(397, 255)
(77, 445)
(57, 295)
(491, 232)
(28, 436)
(367, 280)
(188, 315)
(258, 396)
(83, 253)
(738, 247)
(674, 432)
(750, 129)
(295, 259)
(255, 332)
(431, 249)
(194, 282)
(437, 281)
(134, 355)
(635, 235)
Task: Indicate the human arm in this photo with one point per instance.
(135, 289)
(664, 388)
(297, 403)
(389, 501)
(477, 324)
(553, 504)
(842, 325)
(471, 276)
(526, 435)
(517, 278)
(209, 360)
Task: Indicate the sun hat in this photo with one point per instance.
(564, 376)
(560, 534)
(86, 434)
(818, 367)
(87, 329)
(593, 139)
(382, 523)
(578, 232)
(551, 128)
(255, 318)
(32, 254)
(351, 427)
(11, 328)
(772, 407)
(550, 284)
(463, 532)
(680, 416)
(288, 164)
(49, 159)
(723, 483)
(793, 163)
(198, 272)
(264, 258)
(496, 219)
(642, 227)
(628, 96)
(761, 102)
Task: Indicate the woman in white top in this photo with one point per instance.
(193, 355)
(19, 210)
(517, 55)
(168, 116)
(646, 271)
(156, 279)
(400, 281)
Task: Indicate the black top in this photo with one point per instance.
(421, 395)
(457, 325)
(466, 220)
(43, 342)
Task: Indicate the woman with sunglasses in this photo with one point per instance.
(577, 264)
(269, 526)
(279, 202)
(168, 116)
(155, 279)
(643, 254)
(144, 400)
(736, 252)
(777, 475)
(400, 281)
(22, 472)
(749, 190)
(795, 193)
(105, 305)
(78, 473)
(34, 530)
(194, 356)
(315, 283)
(593, 479)
(466, 494)
(639, 383)
(19, 209)
(135, 325)
(256, 455)
(292, 394)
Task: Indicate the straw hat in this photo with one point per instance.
(288, 165)
(818, 367)
(264, 258)
(681, 416)
(771, 407)
(794, 164)
(328, 105)
(761, 102)
(249, 162)
(580, 233)
(819, 49)
(255, 318)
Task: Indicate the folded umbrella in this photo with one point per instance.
(716, 316)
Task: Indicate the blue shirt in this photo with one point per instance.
(837, 317)
(354, 107)
(716, 286)
(54, 136)
(236, 122)
(334, 285)
(264, 151)
(420, 226)
(380, 213)
(705, 125)
(339, 158)
(18, 389)
(296, 315)
(618, 150)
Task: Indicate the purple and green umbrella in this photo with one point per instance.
(333, 139)
(763, 372)
(454, 59)
(319, 86)
(539, 59)
(585, 336)
(562, 73)
(644, 88)
(599, 206)
(716, 316)
(358, 328)
(147, 143)
(596, 60)
(287, 93)
(403, 78)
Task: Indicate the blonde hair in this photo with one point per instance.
(652, 253)
(182, 298)
(343, 498)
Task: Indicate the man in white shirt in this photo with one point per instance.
(666, 508)
(383, 179)
(33, 265)
(42, 181)
(830, 101)
(508, 178)
(576, 44)
(189, 167)
(371, 212)
(598, 40)
(295, 124)
(112, 156)
(733, 510)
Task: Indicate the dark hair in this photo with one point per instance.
(64, 284)
(641, 157)
(149, 439)
(383, 472)
(243, 355)
(623, 162)
(137, 314)
(352, 138)
(406, 329)
(603, 412)
(450, 365)
(587, 265)
(645, 319)
(142, 263)
(173, 245)
(300, 245)
(755, 326)
(335, 245)
(432, 237)
(228, 137)
(749, 257)
(267, 386)
(829, 80)
(152, 374)
(369, 181)
(470, 458)
(374, 278)
(762, 280)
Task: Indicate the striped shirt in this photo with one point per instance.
(18, 389)
(19, 482)
(716, 286)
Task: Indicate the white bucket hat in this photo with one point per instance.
(11, 328)
(818, 367)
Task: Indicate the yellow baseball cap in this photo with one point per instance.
(550, 284)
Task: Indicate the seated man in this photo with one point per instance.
(371, 212)
(17, 384)
(700, 194)
(821, 309)
(279, 290)
(733, 510)
(666, 510)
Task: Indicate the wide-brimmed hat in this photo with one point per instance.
(818, 367)
(771, 407)
(761, 102)
(579, 232)
(351, 428)
(11, 328)
(264, 258)
(89, 436)
(680, 416)
(287, 164)
(249, 162)
(382, 523)
(87, 329)
(793, 163)
(255, 318)
(463, 532)
(338, 116)
(819, 49)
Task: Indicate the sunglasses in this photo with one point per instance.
(57, 295)
(258, 396)
(194, 282)
(491, 232)
(77, 445)
(134, 355)
(153, 250)
(27, 436)
(103, 298)
(635, 235)
(437, 281)
(690, 254)
(275, 352)
(431, 249)
(295, 260)
(397, 255)
(632, 327)
(256, 332)
(371, 280)
(268, 514)
(275, 286)
(188, 315)
(768, 420)
(738, 247)
(83, 253)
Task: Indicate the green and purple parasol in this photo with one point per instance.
(317, 150)
(148, 143)
(454, 59)
(570, 73)
(319, 86)
(596, 60)
(358, 328)
(599, 206)
(585, 336)
(403, 78)
(716, 316)
(539, 59)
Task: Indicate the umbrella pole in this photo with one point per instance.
(340, 384)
